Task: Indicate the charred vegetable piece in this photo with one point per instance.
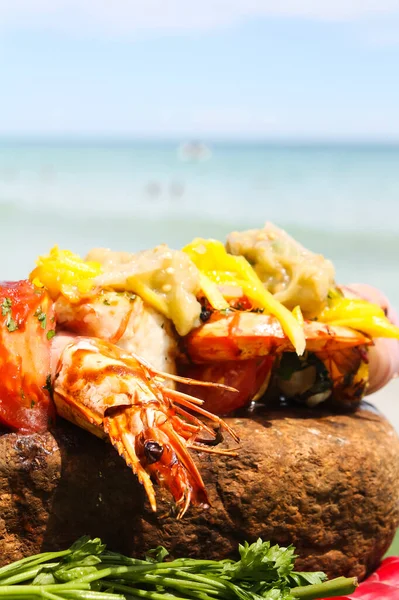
(26, 329)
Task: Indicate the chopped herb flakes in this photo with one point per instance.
(6, 306)
(41, 316)
(10, 323)
(50, 334)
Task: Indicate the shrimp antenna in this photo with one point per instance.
(180, 379)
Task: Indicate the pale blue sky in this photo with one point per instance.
(237, 68)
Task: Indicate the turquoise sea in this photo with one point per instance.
(342, 201)
(339, 200)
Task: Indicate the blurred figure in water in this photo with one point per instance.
(176, 190)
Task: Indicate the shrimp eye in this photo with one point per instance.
(153, 451)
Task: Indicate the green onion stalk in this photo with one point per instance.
(88, 571)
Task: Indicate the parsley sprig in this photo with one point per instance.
(88, 571)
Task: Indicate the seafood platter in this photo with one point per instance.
(196, 399)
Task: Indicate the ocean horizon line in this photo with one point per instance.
(213, 141)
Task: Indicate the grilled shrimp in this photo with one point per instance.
(244, 335)
(125, 320)
(334, 363)
(113, 394)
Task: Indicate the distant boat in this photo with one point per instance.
(194, 152)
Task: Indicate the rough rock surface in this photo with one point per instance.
(326, 483)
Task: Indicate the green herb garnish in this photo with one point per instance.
(6, 306)
(10, 323)
(50, 334)
(41, 317)
(88, 571)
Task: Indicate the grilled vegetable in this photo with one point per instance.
(26, 329)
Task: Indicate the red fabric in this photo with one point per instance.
(383, 584)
